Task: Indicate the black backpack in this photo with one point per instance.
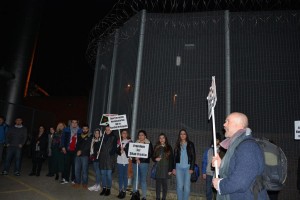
(275, 171)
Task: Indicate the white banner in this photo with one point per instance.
(138, 150)
(212, 97)
(118, 122)
(297, 130)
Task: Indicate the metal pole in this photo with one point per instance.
(138, 75)
(227, 64)
(112, 73)
(92, 103)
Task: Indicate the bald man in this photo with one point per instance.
(242, 163)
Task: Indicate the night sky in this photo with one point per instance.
(60, 66)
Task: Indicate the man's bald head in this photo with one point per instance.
(234, 122)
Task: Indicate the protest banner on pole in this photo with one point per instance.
(212, 101)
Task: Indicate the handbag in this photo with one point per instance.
(153, 171)
(195, 174)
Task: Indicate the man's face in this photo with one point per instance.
(85, 130)
(19, 121)
(1, 121)
(230, 126)
(107, 130)
(74, 123)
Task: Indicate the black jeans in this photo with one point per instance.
(161, 183)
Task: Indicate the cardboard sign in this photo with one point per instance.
(118, 122)
(138, 150)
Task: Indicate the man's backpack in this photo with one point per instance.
(196, 173)
(275, 171)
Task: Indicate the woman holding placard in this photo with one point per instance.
(140, 165)
(123, 161)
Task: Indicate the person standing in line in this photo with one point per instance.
(142, 164)
(39, 151)
(122, 161)
(3, 131)
(82, 158)
(163, 156)
(69, 140)
(95, 145)
(184, 161)
(107, 159)
(56, 149)
(207, 170)
(15, 139)
(50, 157)
(242, 164)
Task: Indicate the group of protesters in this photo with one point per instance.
(70, 150)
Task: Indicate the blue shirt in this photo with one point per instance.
(184, 163)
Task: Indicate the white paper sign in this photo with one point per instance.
(212, 97)
(118, 122)
(297, 130)
(138, 150)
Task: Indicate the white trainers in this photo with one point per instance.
(97, 188)
(63, 181)
(94, 188)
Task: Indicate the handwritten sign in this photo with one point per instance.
(118, 122)
(138, 150)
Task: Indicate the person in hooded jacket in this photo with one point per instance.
(95, 146)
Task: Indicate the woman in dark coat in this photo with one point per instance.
(39, 151)
(163, 156)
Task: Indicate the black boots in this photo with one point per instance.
(122, 194)
(103, 191)
(107, 192)
(119, 195)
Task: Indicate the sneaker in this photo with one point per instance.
(4, 173)
(17, 174)
(73, 182)
(92, 188)
(63, 181)
(97, 188)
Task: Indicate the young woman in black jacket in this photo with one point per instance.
(184, 160)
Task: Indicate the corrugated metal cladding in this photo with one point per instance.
(181, 53)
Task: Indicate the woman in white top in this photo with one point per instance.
(122, 161)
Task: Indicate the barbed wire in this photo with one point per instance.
(102, 33)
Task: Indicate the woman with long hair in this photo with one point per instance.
(163, 156)
(95, 145)
(39, 151)
(142, 164)
(123, 161)
(57, 154)
(184, 160)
